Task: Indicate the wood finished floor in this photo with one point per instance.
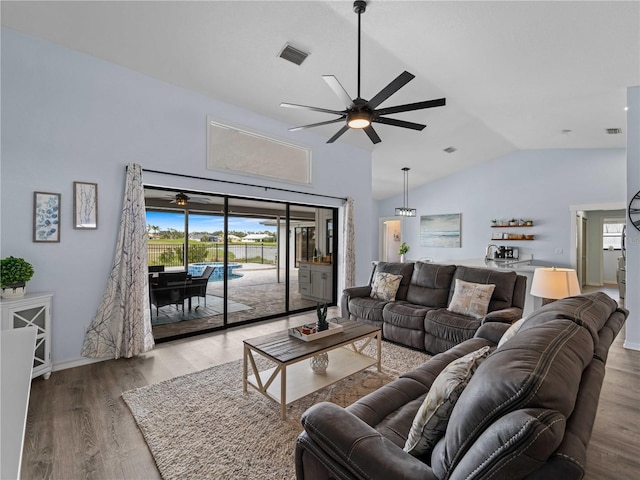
(78, 427)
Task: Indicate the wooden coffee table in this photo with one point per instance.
(291, 378)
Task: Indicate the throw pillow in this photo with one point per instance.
(385, 286)
(471, 299)
(430, 423)
(511, 331)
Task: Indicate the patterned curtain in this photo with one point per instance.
(122, 325)
(349, 245)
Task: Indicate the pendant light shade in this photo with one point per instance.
(405, 211)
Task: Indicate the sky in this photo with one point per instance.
(204, 223)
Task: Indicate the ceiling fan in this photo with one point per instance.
(361, 113)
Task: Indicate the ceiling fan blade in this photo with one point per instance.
(399, 123)
(339, 90)
(313, 109)
(399, 82)
(371, 133)
(440, 102)
(337, 135)
(295, 129)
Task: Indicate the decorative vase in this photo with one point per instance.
(322, 324)
(319, 363)
(14, 291)
(402, 258)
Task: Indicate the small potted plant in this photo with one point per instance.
(513, 222)
(494, 223)
(404, 248)
(14, 274)
(321, 311)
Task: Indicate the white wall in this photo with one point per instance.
(67, 116)
(534, 184)
(632, 300)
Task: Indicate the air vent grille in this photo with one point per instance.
(293, 55)
(614, 131)
(450, 149)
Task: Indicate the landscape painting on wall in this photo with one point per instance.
(440, 230)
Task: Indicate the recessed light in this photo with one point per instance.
(450, 149)
(566, 131)
(626, 109)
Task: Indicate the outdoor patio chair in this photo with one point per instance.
(171, 289)
(198, 287)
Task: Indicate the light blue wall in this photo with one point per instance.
(70, 117)
(539, 185)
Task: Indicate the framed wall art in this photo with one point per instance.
(85, 205)
(46, 217)
(440, 230)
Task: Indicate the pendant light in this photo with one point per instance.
(405, 211)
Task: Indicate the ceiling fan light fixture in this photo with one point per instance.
(181, 200)
(358, 120)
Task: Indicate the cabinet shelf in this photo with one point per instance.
(512, 226)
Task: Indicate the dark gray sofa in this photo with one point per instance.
(527, 412)
(419, 317)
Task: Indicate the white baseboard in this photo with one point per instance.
(631, 345)
(76, 362)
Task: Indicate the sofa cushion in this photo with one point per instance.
(385, 286)
(404, 269)
(367, 309)
(504, 284)
(471, 298)
(430, 284)
(430, 422)
(513, 447)
(511, 331)
(444, 329)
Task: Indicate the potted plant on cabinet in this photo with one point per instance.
(14, 274)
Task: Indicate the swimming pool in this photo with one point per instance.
(196, 269)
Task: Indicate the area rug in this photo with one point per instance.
(202, 426)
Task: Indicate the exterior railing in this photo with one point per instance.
(172, 254)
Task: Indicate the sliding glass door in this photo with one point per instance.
(261, 259)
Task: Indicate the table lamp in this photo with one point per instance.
(554, 283)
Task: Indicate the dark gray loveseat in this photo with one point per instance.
(526, 413)
(419, 317)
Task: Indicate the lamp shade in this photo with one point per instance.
(555, 283)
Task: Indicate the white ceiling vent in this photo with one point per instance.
(614, 131)
(293, 54)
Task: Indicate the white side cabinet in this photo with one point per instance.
(32, 310)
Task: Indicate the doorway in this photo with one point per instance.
(390, 239)
(588, 256)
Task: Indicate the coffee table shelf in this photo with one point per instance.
(292, 378)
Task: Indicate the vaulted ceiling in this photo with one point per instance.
(516, 75)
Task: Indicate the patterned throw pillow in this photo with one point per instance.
(471, 299)
(385, 286)
(430, 423)
(511, 331)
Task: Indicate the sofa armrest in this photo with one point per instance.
(352, 292)
(506, 315)
(359, 448)
(492, 331)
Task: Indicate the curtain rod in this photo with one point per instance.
(242, 184)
